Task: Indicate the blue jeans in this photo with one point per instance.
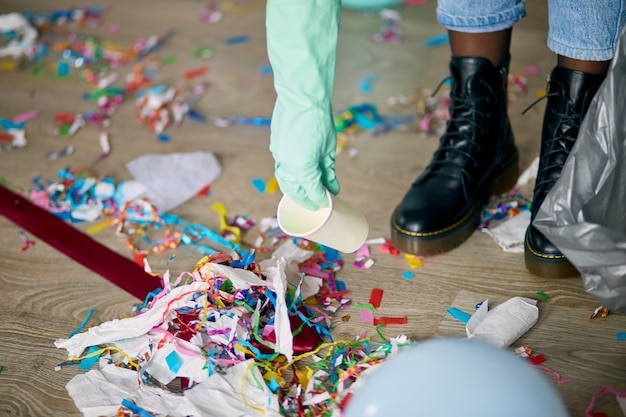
(587, 30)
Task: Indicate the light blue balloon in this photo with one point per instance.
(370, 4)
(455, 378)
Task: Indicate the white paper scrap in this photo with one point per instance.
(529, 173)
(94, 389)
(505, 323)
(282, 325)
(510, 234)
(240, 392)
(25, 38)
(175, 178)
(240, 278)
(119, 329)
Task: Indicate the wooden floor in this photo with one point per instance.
(45, 295)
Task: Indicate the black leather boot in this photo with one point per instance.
(476, 158)
(569, 95)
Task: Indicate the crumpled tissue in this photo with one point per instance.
(237, 393)
(174, 178)
(505, 323)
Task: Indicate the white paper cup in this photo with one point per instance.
(340, 226)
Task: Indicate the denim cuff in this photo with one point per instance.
(480, 16)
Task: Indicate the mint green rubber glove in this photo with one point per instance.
(302, 45)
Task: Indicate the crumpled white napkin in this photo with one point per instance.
(504, 324)
(235, 394)
(174, 178)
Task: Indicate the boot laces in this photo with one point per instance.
(463, 112)
(559, 145)
(559, 148)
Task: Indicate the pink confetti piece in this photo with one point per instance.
(314, 272)
(363, 263)
(425, 123)
(25, 116)
(602, 391)
(532, 70)
(267, 330)
(367, 316)
(363, 252)
(559, 379)
(113, 28)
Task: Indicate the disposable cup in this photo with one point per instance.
(340, 226)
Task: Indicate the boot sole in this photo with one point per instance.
(548, 266)
(444, 240)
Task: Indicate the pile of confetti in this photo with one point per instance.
(503, 207)
(75, 195)
(253, 333)
(364, 117)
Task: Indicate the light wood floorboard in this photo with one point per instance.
(45, 295)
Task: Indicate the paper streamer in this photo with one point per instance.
(119, 270)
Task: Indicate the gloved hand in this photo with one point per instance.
(302, 44)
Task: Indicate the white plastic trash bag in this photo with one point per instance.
(584, 215)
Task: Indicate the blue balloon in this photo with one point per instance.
(370, 4)
(455, 378)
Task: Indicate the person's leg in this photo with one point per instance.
(590, 67)
(491, 45)
(477, 155)
(584, 35)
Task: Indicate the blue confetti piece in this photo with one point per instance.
(149, 296)
(63, 69)
(164, 138)
(620, 336)
(83, 324)
(257, 121)
(158, 89)
(173, 361)
(341, 286)
(87, 363)
(366, 84)
(246, 259)
(266, 70)
(460, 315)
(331, 254)
(9, 124)
(437, 40)
(237, 40)
(259, 185)
(273, 386)
(135, 409)
(408, 275)
(196, 116)
(64, 215)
